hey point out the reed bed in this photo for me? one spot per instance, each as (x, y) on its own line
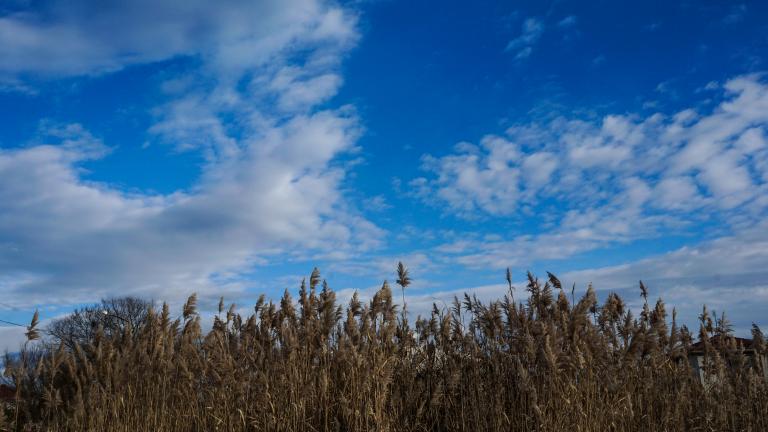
(545, 363)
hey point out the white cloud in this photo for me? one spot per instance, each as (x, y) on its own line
(736, 15)
(11, 339)
(597, 61)
(752, 141)
(377, 203)
(380, 268)
(619, 220)
(272, 182)
(488, 174)
(727, 274)
(538, 169)
(65, 240)
(589, 185)
(678, 193)
(688, 160)
(296, 93)
(727, 178)
(66, 38)
(710, 86)
(530, 33)
(524, 53)
(567, 22)
(745, 252)
(652, 27)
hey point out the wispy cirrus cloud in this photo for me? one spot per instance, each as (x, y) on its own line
(530, 33)
(736, 14)
(568, 21)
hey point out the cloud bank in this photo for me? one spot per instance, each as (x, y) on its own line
(250, 103)
(590, 184)
(92, 37)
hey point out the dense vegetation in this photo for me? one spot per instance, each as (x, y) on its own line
(547, 363)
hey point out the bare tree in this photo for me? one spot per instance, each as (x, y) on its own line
(111, 315)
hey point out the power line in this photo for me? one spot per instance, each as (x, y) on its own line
(12, 323)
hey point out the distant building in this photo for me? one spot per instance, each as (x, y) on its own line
(696, 355)
(7, 394)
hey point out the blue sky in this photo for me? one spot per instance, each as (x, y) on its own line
(162, 148)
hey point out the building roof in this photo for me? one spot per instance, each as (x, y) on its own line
(720, 342)
(7, 393)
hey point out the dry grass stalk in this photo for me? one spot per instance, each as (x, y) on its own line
(547, 364)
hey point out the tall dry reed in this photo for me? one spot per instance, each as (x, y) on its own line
(545, 364)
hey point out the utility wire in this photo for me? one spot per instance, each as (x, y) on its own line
(12, 323)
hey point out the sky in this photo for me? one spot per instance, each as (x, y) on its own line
(160, 148)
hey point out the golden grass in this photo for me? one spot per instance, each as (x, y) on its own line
(545, 365)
